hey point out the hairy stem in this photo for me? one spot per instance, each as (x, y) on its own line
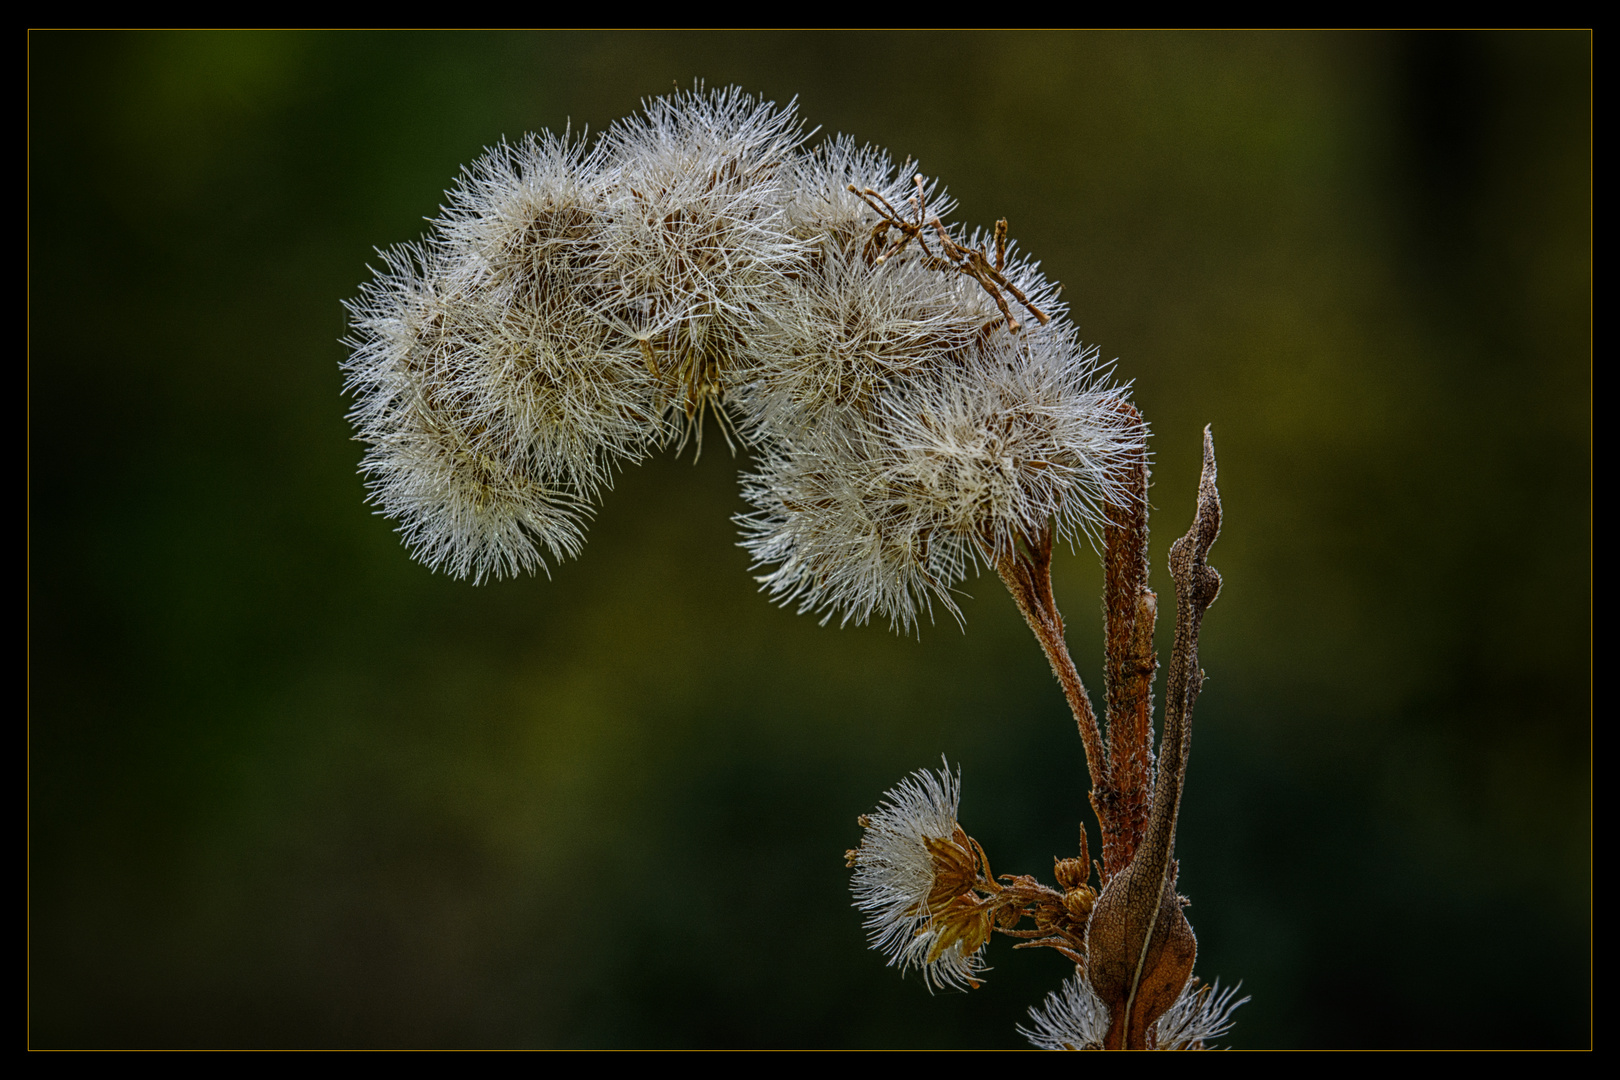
(1028, 576)
(1130, 611)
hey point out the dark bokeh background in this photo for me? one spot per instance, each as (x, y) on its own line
(288, 788)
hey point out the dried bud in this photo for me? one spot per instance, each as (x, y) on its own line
(1079, 901)
(1070, 873)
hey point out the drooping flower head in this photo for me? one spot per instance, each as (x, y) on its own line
(574, 307)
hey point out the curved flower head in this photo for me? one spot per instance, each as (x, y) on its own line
(1075, 1018)
(914, 877)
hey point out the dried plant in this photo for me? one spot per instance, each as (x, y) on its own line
(919, 404)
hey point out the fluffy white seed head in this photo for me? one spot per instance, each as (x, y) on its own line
(1200, 1015)
(844, 540)
(529, 212)
(495, 405)
(883, 510)
(853, 323)
(441, 458)
(894, 874)
(1028, 431)
(821, 204)
(523, 234)
(694, 241)
(851, 328)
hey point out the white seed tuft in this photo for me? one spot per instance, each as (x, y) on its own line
(1073, 1017)
(1200, 1015)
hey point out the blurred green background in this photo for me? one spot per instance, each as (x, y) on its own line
(288, 788)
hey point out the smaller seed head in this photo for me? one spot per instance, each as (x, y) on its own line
(914, 872)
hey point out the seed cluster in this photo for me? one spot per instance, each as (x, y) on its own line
(915, 398)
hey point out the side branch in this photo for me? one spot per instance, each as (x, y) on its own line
(1197, 585)
(1028, 576)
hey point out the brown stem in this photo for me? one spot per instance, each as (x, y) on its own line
(1130, 610)
(1028, 576)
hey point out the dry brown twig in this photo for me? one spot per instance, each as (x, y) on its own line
(973, 262)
